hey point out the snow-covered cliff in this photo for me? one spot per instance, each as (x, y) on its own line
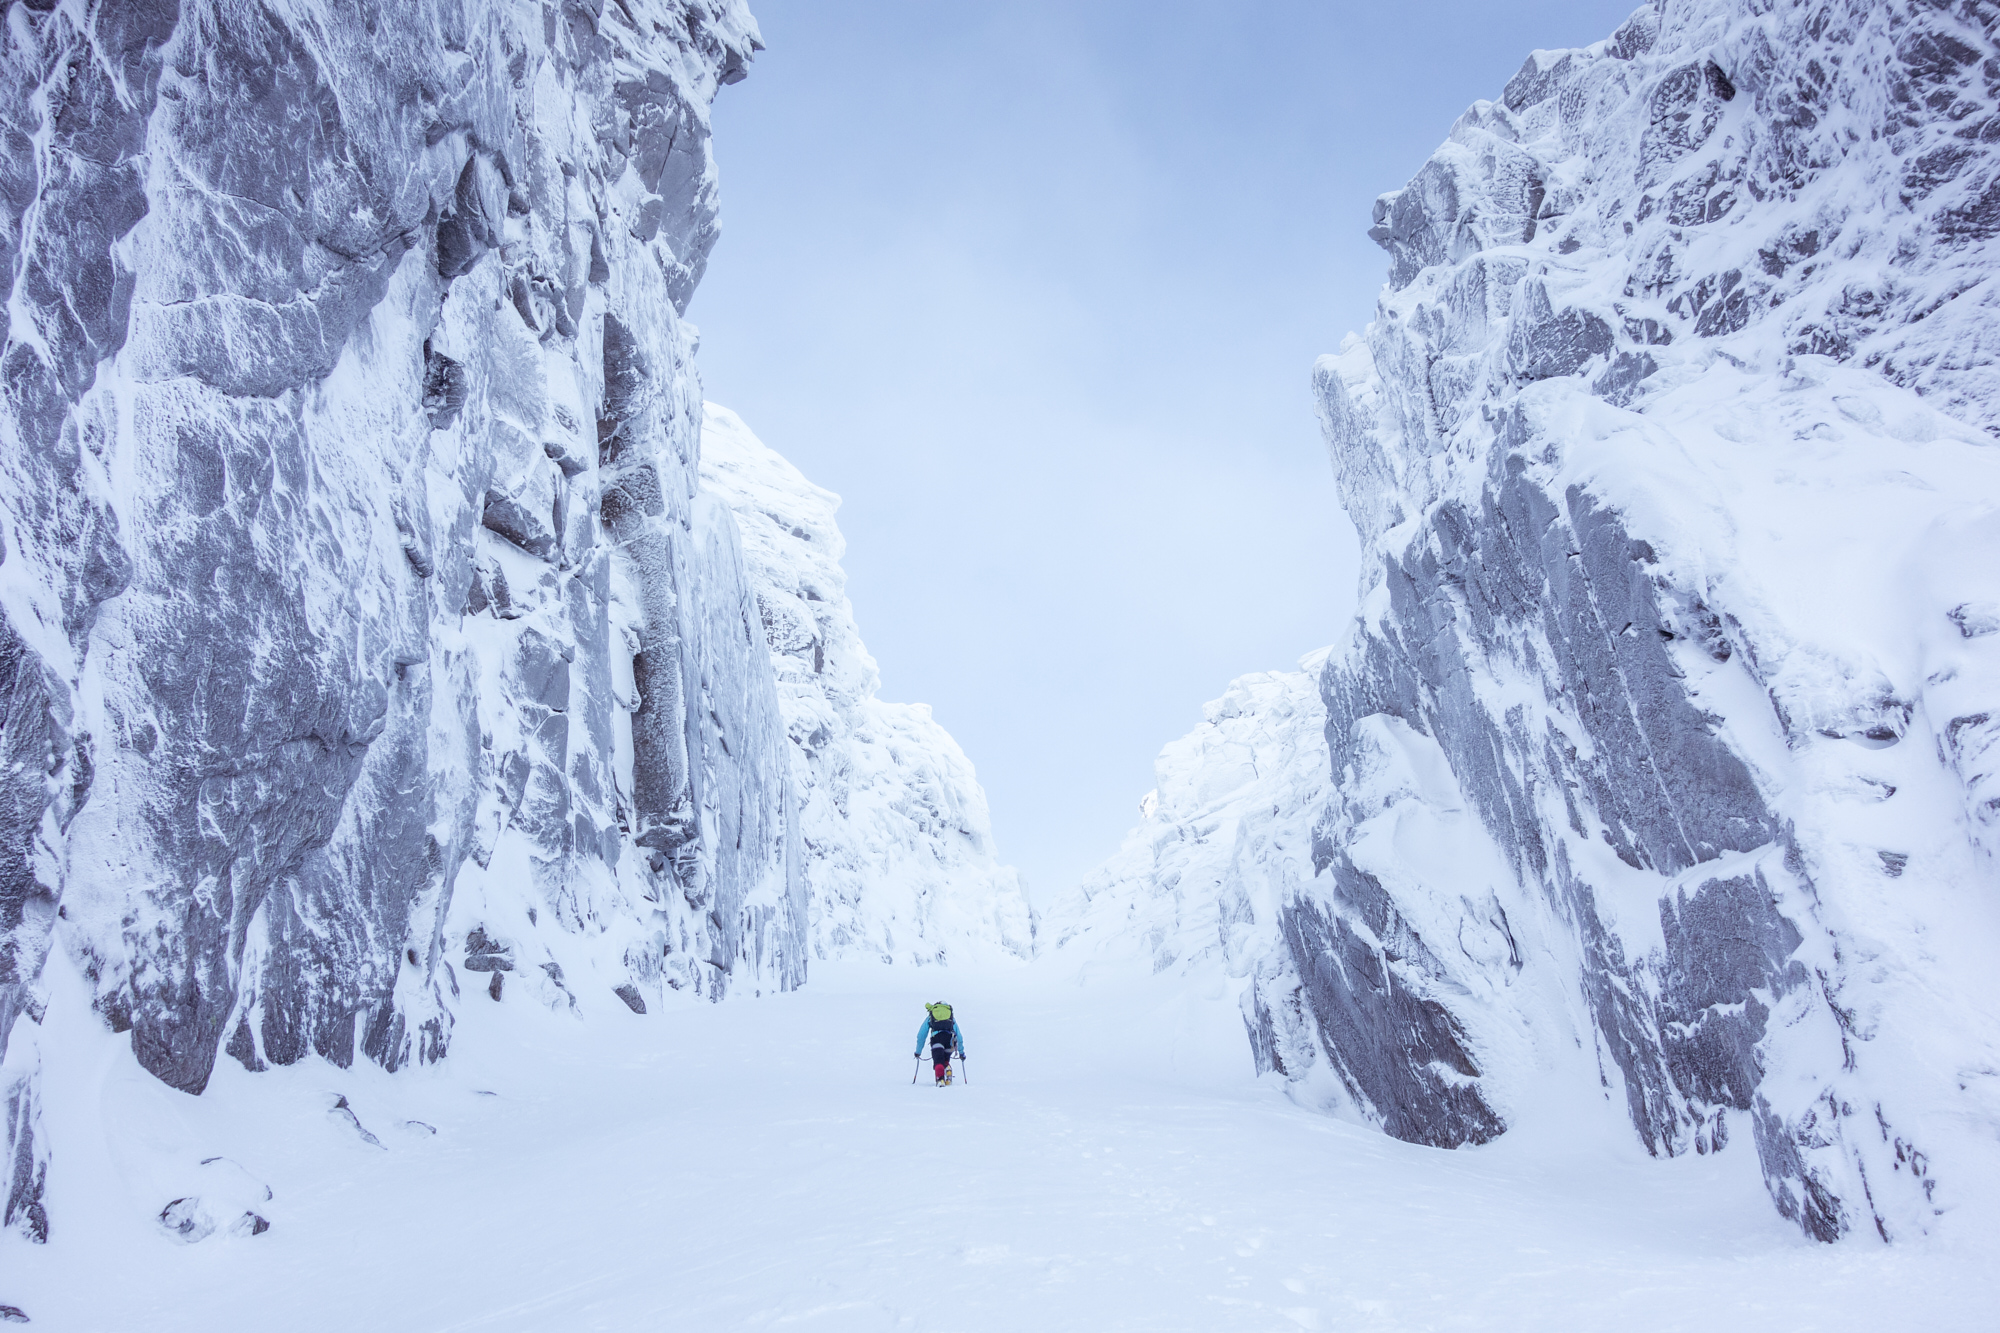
(899, 854)
(1223, 837)
(1664, 744)
(368, 649)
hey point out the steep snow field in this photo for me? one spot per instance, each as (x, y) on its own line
(767, 1164)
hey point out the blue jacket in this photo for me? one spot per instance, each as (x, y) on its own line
(924, 1035)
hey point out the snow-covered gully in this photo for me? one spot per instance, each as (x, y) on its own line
(448, 823)
(767, 1164)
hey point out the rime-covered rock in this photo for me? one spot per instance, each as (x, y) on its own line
(364, 627)
(1663, 743)
(898, 848)
(1224, 836)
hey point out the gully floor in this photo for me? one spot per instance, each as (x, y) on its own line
(767, 1164)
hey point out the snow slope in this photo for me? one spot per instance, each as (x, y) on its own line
(898, 847)
(1661, 746)
(769, 1165)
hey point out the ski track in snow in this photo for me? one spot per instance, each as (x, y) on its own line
(767, 1164)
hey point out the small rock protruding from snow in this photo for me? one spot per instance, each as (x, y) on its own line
(227, 1203)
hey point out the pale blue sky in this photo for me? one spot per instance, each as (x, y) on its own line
(1037, 288)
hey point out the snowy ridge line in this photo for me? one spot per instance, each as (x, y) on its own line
(1658, 765)
(1225, 831)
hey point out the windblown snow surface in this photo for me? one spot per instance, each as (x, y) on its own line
(1657, 774)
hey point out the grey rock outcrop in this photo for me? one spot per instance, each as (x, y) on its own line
(358, 596)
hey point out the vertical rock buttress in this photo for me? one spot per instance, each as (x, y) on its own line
(357, 605)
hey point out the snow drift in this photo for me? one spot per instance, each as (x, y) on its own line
(1662, 750)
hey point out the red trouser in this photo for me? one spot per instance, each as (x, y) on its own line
(940, 1060)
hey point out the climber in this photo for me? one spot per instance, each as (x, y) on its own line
(944, 1034)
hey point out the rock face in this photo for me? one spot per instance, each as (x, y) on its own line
(898, 848)
(1664, 741)
(364, 627)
